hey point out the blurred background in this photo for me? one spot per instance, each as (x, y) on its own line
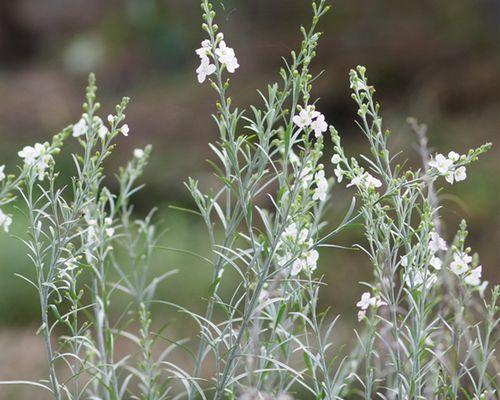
(437, 61)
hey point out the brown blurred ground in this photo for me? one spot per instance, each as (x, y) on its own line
(438, 61)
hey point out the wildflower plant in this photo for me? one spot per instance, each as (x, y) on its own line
(427, 325)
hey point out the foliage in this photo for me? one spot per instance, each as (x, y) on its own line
(428, 328)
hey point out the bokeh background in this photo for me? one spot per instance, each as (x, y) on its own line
(437, 61)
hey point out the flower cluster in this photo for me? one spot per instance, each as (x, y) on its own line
(297, 241)
(447, 167)
(93, 234)
(308, 117)
(415, 278)
(225, 56)
(321, 190)
(365, 181)
(462, 267)
(339, 172)
(367, 301)
(37, 157)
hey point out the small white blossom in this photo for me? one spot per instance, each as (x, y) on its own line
(2, 173)
(339, 173)
(436, 263)
(36, 157)
(460, 263)
(358, 85)
(5, 221)
(312, 112)
(453, 156)
(366, 181)
(205, 48)
(111, 118)
(368, 301)
(437, 243)
(30, 154)
(138, 153)
(291, 234)
(336, 159)
(319, 125)
(458, 175)
(306, 176)
(404, 261)
(307, 262)
(205, 69)
(125, 130)
(321, 186)
(442, 164)
(303, 119)
(474, 278)
(110, 231)
(80, 128)
(417, 279)
(227, 57)
(102, 132)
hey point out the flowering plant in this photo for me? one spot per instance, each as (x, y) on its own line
(427, 326)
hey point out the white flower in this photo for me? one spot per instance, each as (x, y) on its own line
(307, 262)
(460, 263)
(30, 154)
(111, 118)
(312, 112)
(437, 243)
(42, 165)
(227, 57)
(339, 173)
(365, 301)
(474, 278)
(125, 130)
(205, 69)
(110, 231)
(102, 132)
(311, 257)
(204, 49)
(416, 278)
(36, 157)
(321, 186)
(365, 180)
(460, 174)
(404, 261)
(319, 125)
(453, 156)
(361, 315)
(358, 84)
(303, 119)
(232, 65)
(336, 159)
(291, 234)
(441, 164)
(436, 263)
(80, 128)
(5, 221)
(138, 153)
(2, 173)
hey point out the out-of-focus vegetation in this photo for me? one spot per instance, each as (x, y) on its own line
(438, 61)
